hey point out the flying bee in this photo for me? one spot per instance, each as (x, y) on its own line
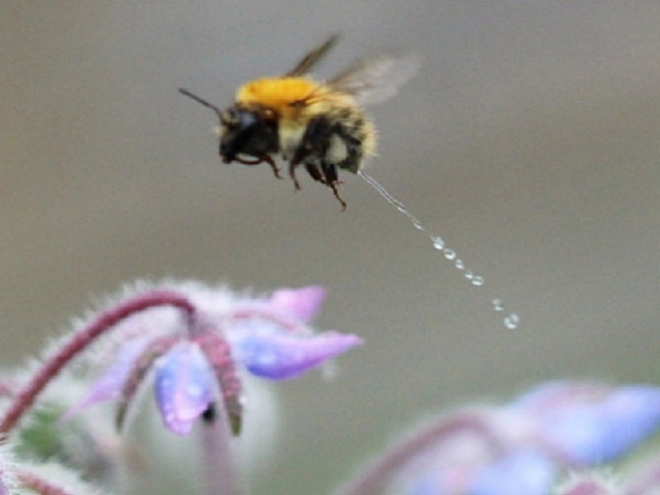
(320, 126)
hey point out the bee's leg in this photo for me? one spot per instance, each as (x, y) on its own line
(271, 162)
(315, 173)
(329, 173)
(259, 160)
(245, 161)
(292, 173)
(339, 198)
(312, 146)
(331, 180)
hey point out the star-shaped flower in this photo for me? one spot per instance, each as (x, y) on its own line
(193, 360)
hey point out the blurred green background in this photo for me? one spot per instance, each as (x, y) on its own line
(529, 141)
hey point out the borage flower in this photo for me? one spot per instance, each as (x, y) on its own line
(519, 448)
(193, 359)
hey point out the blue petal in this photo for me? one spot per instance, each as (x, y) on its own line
(269, 352)
(605, 430)
(426, 485)
(524, 472)
(184, 386)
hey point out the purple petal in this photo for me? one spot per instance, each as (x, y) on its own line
(110, 385)
(184, 386)
(301, 303)
(269, 352)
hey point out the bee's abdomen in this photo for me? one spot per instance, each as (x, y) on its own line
(338, 139)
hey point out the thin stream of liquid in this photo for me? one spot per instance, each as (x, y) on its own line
(512, 320)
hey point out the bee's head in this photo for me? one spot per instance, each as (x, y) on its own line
(247, 131)
(250, 131)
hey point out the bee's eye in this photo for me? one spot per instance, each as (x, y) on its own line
(238, 119)
(246, 120)
(248, 132)
(243, 120)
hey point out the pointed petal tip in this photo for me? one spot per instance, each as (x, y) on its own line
(280, 356)
(303, 303)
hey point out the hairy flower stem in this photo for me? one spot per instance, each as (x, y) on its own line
(379, 472)
(40, 485)
(26, 396)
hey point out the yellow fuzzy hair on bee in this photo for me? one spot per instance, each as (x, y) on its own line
(320, 127)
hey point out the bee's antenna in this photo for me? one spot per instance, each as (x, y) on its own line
(217, 111)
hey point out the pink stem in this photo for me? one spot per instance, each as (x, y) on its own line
(26, 397)
(380, 471)
(40, 485)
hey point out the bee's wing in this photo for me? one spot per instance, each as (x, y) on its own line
(375, 80)
(306, 64)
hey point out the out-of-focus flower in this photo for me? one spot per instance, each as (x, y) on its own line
(587, 424)
(522, 447)
(193, 359)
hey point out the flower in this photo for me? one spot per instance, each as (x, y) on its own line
(523, 446)
(184, 386)
(587, 423)
(193, 359)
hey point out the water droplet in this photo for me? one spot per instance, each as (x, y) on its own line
(512, 321)
(438, 243)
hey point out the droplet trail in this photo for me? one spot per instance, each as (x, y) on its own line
(438, 243)
(512, 320)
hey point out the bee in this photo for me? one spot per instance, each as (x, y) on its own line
(320, 126)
